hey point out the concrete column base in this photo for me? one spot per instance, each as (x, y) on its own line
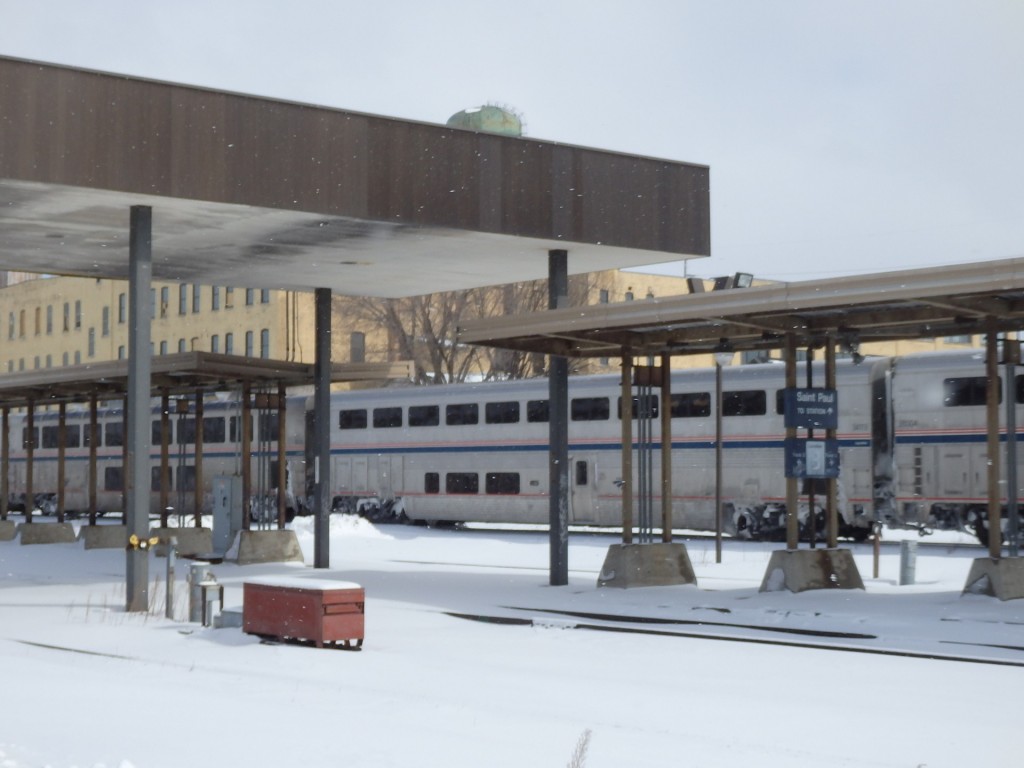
(1002, 578)
(268, 547)
(191, 541)
(646, 565)
(46, 533)
(8, 530)
(798, 570)
(104, 536)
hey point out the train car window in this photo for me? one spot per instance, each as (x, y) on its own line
(235, 428)
(744, 402)
(780, 402)
(461, 413)
(72, 436)
(967, 390)
(1019, 384)
(462, 482)
(112, 479)
(387, 418)
(213, 429)
(590, 409)
(268, 426)
(157, 436)
(424, 415)
(154, 478)
(691, 405)
(113, 434)
(582, 473)
(537, 411)
(352, 419)
(650, 410)
(431, 482)
(186, 479)
(25, 437)
(186, 431)
(502, 413)
(87, 435)
(502, 483)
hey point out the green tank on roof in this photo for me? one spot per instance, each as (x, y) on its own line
(488, 119)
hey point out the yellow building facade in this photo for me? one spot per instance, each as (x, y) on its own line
(48, 322)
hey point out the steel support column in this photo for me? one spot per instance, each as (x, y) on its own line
(62, 440)
(94, 439)
(5, 462)
(558, 429)
(831, 502)
(30, 449)
(992, 413)
(246, 437)
(140, 270)
(666, 448)
(282, 458)
(197, 496)
(322, 430)
(792, 499)
(165, 455)
(627, 447)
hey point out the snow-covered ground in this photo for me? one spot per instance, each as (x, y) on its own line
(84, 684)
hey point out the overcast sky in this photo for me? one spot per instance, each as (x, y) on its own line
(843, 136)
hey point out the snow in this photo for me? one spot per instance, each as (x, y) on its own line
(86, 684)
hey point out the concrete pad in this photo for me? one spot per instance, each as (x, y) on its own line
(46, 533)
(646, 565)
(104, 536)
(191, 541)
(1002, 578)
(268, 547)
(8, 530)
(802, 569)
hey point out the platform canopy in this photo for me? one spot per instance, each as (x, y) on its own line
(260, 193)
(921, 303)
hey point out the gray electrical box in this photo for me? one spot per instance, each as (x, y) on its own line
(227, 511)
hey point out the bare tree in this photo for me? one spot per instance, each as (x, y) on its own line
(424, 329)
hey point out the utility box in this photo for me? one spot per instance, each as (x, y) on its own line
(320, 611)
(227, 511)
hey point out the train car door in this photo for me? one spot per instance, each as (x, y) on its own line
(389, 481)
(583, 475)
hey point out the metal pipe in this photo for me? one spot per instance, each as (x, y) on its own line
(62, 439)
(197, 495)
(718, 461)
(282, 458)
(792, 519)
(666, 448)
(558, 430)
(831, 502)
(322, 428)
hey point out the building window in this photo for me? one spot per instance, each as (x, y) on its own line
(35, 362)
(181, 345)
(215, 343)
(182, 299)
(122, 309)
(196, 297)
(78, 315)
(106, 321)
(215, 298)
(152, 303)
(165, 298)
(229, 343)
(120, 353)
(603, 296)
(78, 356)
(67, 317)
(39, 320)
(250, 296)
(21, 324)
(49, 361)
(11, 326)
(265, 343)
(49, 319)
(265, 296)
(248, 343)
(229, 298)
(64, 359)
(92, 342)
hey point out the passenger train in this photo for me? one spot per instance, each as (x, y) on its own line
(911, 435)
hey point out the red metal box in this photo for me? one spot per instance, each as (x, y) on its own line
(318, 610)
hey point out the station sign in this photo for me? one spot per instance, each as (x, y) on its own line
(812, 458)
(810, 407)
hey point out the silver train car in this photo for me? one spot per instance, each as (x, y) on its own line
(912, 443)
(221, 455)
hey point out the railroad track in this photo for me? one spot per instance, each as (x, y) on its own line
(715, 631)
